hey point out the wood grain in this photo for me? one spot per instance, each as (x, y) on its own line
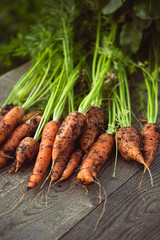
(129, 214)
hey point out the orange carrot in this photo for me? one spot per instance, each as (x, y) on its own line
(5, 110)
(96, 158)
(61, 162)
(150, 142)
(45, 153)
(10, 122)
(72, 164)
(129, 145)
(30, 115)
(26, 151)
(8, 150)
(95, 125)
(73, 125)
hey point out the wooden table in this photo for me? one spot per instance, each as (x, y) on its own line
(71, 213)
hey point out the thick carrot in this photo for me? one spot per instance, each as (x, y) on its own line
(9, 148)
(5, 110)
(129, 144)
(30, 115)
(96, 158)
(73, 125)
(45, 153)
(61, 162)
(72, 164)
(10, 122)
(26, 151)
(95, 125)
(150, 142)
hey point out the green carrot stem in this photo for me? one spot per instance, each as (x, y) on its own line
(30, 99)
(69, 85)
(94, 64)
(23, 80)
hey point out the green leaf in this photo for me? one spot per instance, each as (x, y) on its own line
(130, 37)
(141, 24)
(147, 9)
(112, 6)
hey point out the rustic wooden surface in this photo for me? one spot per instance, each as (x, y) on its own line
(70, 213)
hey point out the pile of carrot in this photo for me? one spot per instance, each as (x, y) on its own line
(31, 125)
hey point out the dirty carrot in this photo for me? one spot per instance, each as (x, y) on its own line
(129, 144)
(127, 137)
(31, 115)
(61, 162)
(72, 164)
(150, 142)
(73, 125)
(45, 153)
(5, 110)
(9, 122)
(26, 151)
(151, 131)
(8, 149)
(96, 158)
(24, 130)
(95, 125)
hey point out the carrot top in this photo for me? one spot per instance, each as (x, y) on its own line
(151, 76)
(101, 64)
(65, 77)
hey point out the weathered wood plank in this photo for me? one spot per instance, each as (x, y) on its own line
(8, 80)
(68, 203)
(129, 214)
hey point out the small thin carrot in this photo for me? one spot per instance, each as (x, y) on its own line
(73, 125)
(5, 110)
(95, 125)
(26, 151)
(72, 164)
(150, 142)
(45, 153)
(96, 158)
(30, 115)
(61, 162)
(9, 122)
(8, 150)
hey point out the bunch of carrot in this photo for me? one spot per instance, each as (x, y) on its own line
(81, 138)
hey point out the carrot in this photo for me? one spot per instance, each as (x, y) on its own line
(9, 148)
(95, 124)
(26, 151)
(30, 115)
(129, 145)
(73, 125)
(45, 153)
(10, 122)
(5, 110)
(96, 158)
(150, 142)
(72, 164)
(61, 162)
